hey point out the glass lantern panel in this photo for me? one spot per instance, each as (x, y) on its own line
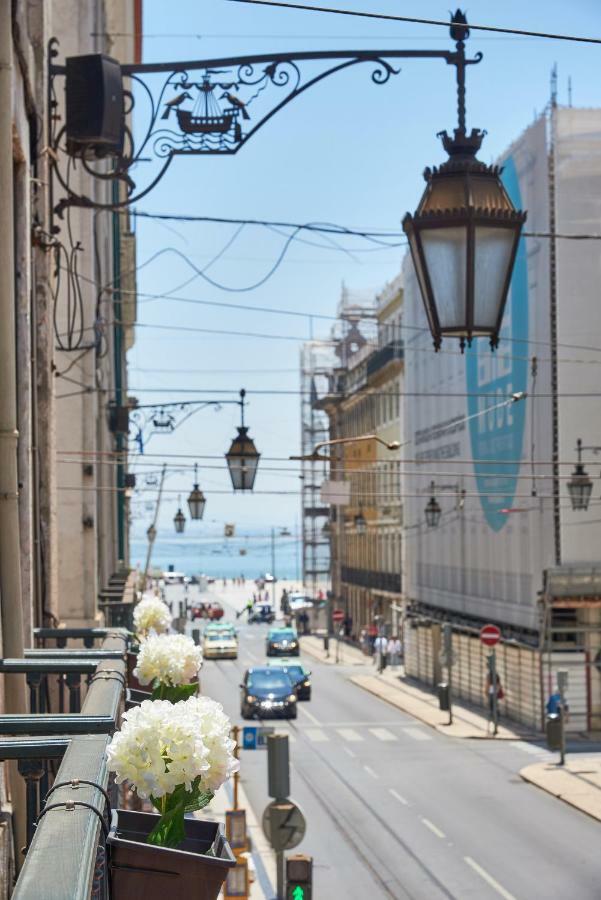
(494, 246)
(446, 258)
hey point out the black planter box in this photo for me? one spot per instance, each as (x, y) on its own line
(141, 871)
(135, 698)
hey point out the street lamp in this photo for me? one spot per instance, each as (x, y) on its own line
(196, 498)
(464, 234)
(580, 486)
(433, 511)
(242, 457)
(179, 519)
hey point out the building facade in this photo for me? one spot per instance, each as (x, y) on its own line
(363, 399)
(500, 467)
(67, 306)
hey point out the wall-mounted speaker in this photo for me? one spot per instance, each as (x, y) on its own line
(95, 109)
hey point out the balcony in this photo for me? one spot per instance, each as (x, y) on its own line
(369, 578)
(386, 354)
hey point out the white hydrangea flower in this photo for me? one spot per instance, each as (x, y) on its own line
(151, 614)
(173, 659)
(162, 745)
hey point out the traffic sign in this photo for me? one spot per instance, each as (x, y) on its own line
(338, 615)
(490, 635)
(284, 824)
(254, 737)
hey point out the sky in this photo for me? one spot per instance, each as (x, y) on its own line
(347, 151)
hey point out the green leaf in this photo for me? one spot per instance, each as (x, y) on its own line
(174, 693)
(169, 830)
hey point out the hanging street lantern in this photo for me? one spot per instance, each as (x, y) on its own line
(464, 234)
(242, 458)
(580, 485)
(179, 519)
(196, 498)
(360, 523)
(432, 511)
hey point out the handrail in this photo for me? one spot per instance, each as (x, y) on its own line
(78, 633)
(66, 653)
(61, 860)
(49, 666)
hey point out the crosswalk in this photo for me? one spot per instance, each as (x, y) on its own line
(356, 736)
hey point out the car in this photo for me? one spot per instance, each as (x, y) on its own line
(262, 612)
(215, 610)
(299, 675)
(282, 642)
(298, 602)
(220, 642)
(267, 693)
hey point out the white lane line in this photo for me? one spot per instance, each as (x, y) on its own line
(309, 715)
(417, 734)
(350, 752)
(488, 878)
(252, 656)
(316, 735)
(383, 734)
(433, 828)
(398, 797)
(371, 772)
(349, 734)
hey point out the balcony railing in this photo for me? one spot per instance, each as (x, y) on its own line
(380, 358)
(62, 758)
(370, 578)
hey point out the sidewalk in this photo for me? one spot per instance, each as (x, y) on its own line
(262, 858)
(577, 783)
(312, 645)
(423, 705)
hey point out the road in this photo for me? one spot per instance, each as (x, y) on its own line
(397, 810)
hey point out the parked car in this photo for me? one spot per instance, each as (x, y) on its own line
(299, 675)
(298, 601)
(220, 642)
(282, 642)
(267, 693)
(215, 610)
(262, 612)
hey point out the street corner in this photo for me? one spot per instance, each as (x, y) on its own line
(577, 783)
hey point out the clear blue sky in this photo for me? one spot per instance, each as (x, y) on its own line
(348, 152)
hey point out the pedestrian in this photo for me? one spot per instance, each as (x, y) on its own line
(380, 647)
(393, 651)
(490, 692)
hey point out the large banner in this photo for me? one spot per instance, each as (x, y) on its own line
(486, 462)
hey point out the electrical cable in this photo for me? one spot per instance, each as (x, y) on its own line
(495, 29)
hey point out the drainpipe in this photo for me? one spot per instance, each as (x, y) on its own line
(11, 600)
(120, 441)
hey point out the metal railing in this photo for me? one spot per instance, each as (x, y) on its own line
(62, 758)
(370, 578)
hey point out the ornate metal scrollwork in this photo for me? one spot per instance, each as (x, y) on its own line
(205, 107)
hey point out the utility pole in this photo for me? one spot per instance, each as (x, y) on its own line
(273, 568)
(152, 531)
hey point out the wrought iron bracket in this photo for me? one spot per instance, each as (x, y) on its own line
(211, 107)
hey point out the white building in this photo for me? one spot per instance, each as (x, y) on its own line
(500, 468)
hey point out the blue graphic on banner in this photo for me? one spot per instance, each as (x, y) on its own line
(497, 436)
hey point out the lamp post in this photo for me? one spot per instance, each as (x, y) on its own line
(242, 458)
(464, 234)
(196, 498)
(580, 485)
(152, 529)
(360, 522)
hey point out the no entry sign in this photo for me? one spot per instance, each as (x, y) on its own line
(338, 615)
(490, 635)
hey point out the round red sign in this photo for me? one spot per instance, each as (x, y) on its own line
(338, 615)
(490, 635)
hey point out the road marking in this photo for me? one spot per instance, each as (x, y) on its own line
(252, 656)
(349, 734)
(383, 734)
(316, 735)
(371, 772)
(350, 752)
(309, 715)
(417, 734)
(488, 878)
(398, 797)
(433, 828)
(531, 748)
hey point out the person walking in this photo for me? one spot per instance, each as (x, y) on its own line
(380, 646)
(393, 651)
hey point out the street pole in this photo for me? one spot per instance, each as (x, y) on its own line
(493, 680)
(235, 737)
(447, 633)
(562, 683)
(152, 529)
(273, 568)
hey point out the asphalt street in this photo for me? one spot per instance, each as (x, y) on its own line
(397, 810)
